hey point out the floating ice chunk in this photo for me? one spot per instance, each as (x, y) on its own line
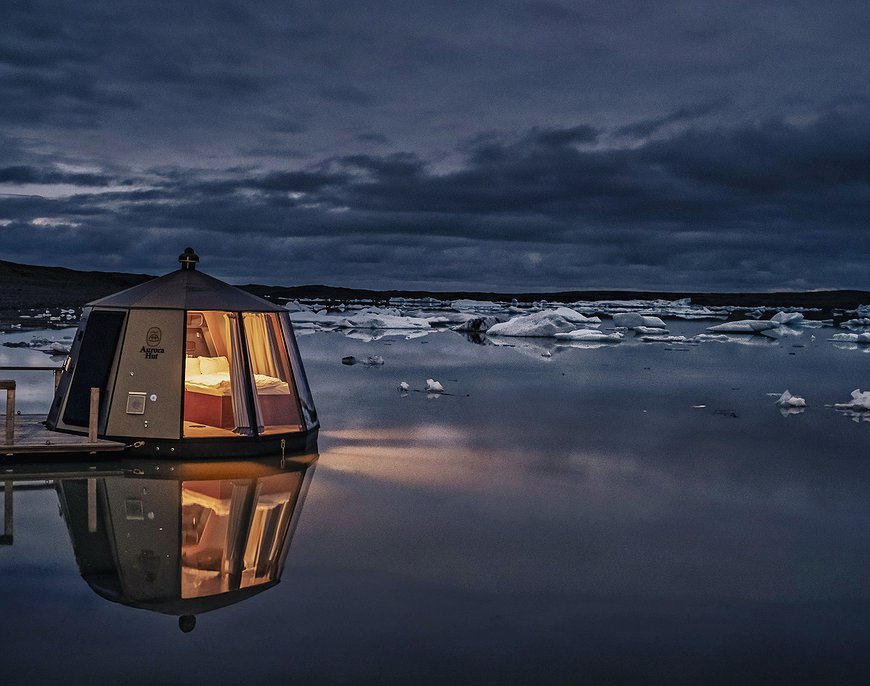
(851, 337)
(589, 335)
(477, 324)
(631, 320)
(433, 386)
(372, 320)
(544, 324)
(858, 323)
(650, 330)
(574, 315)
(546, 353)
(404, 386)
(860, 402)
(788, 318)
(744, 326)
(664, 339)
(371, 360)
(789, 400)
(296, 306)
(59, 348)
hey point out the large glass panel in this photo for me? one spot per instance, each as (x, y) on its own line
(234, 533)
(215, 401)
(302, 388)
(95, 359)
(277, 408)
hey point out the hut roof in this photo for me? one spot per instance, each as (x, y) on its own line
(187, 289)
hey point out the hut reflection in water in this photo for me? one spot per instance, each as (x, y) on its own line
(185, 538)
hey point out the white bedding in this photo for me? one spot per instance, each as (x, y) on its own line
(218, 383)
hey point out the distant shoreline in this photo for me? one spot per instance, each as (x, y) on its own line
(29, 286)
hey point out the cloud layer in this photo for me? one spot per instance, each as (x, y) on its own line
(520, 146)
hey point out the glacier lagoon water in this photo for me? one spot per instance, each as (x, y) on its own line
(631, 513)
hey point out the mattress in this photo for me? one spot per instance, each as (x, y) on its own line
(218, 383)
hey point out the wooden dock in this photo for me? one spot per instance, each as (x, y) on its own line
(26, 434)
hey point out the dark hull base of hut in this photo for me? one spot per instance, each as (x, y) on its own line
(218, 448)
(198, 448)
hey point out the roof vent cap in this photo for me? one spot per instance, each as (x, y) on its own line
(188, 259)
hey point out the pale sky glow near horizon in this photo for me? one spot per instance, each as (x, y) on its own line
(509, 146)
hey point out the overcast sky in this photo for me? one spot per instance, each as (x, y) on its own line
(513, 145)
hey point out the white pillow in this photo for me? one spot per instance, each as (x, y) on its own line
(191, 366)
(214, 365)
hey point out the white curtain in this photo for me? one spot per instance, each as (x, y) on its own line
(237, 375)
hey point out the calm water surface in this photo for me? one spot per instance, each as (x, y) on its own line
(563, 519)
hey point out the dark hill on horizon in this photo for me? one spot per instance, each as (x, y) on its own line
(25, 286)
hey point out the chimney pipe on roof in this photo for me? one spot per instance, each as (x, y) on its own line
(188, 259)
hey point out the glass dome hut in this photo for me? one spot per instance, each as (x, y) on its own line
(187, 365)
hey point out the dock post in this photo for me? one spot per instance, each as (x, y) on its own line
(94, 415)
(92, 506)
(10, 410)
(6, 538)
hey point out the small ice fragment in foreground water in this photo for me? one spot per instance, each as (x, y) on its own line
(698, 407)
(404, 387)
(546, 353)
(860, 401)
(789, 400)
(433, 386)
(371, 360)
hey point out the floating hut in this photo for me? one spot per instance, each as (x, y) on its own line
(187, 365)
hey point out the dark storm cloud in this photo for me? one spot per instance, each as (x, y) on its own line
(699, 204)
(533, 144)
(643, 129)
(25, 174)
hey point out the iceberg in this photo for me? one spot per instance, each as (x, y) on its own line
(631, 320)
(589, 335)
(433, 386)
(476, 324)
(373, 320)
(544, 324)
(789, 400)
(851, 337)
(860, 402)
(788, 318)
(743, 326)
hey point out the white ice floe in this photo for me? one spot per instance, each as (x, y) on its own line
(789, 400)
(664, 338)
(589, 335)
(851, 337)
(546, 323)
(650, 331)
(744, 326)
(296, 306)
(732, 338)
(860, 402)
(788, 318)
(404, 386)
(370, 361)
(477, 324)
(631, 320)
(374, 320)
(433, 386)
(857, 323)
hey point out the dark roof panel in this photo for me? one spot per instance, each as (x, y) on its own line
(187, 289)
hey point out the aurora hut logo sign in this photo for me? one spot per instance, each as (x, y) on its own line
(152, 340)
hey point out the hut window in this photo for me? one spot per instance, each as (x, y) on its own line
(275, 403)
(302, 388)
(214, 377)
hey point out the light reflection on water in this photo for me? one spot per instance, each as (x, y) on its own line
(553, 519)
